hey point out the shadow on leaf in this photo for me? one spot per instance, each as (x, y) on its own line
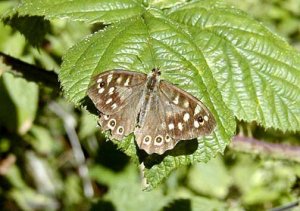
(103, 205)
(109, 156)
(186, 147)
(178, 205)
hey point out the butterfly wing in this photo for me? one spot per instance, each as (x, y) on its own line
(116, 94)
(110, 90)
(186, 116)
(152, 135)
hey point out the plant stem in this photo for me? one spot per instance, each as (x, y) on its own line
(31, 72)
(254, 146)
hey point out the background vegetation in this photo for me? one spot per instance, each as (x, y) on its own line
(43, 166)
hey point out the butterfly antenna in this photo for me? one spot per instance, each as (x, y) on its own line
(142, 63)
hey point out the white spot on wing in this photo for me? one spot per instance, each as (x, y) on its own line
(196, 124)
(127, 82)
(171, 126)
(101, 90)
(111, 90)
(206, 118)
(180, 127)
(186, 104)
(106, 117)
(186, 117)
(99, 80)
(176, 99)
(119, 80)
(108, 101)
(109, 78)
(197, 110)
(113, 106)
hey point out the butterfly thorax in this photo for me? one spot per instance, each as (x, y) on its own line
(148, 96)
(153, 79)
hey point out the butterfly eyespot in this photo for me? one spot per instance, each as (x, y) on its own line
(200, 119)
(158, 140)
(112, 123)
(120, 130)
(106, 117)
(168, 139)
(147, 140)
(102, 84)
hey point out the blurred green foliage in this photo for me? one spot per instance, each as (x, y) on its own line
(38, 170)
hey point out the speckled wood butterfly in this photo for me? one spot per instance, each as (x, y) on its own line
(156, 111)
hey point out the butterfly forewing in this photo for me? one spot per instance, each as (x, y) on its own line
(111, 90)
(186, 116)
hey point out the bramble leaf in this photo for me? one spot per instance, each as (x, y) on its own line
(139, 44)
(90, 11)
(257, 72)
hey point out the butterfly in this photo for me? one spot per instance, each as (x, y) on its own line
(156, 111)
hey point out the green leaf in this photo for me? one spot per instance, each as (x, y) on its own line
(90, 11)
(10, 43)
(127, 181)
(140, 44)
(257, 72)
(41, 140)
(19, 100)
(162, 4)
(34, 28)
(210, 178)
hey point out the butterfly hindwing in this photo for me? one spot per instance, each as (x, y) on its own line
(123, 122)
(186, 116)
(152, 135)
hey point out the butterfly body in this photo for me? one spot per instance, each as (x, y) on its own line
(149, 92)
(157, 112)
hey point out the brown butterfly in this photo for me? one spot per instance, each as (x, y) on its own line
(156, 111)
